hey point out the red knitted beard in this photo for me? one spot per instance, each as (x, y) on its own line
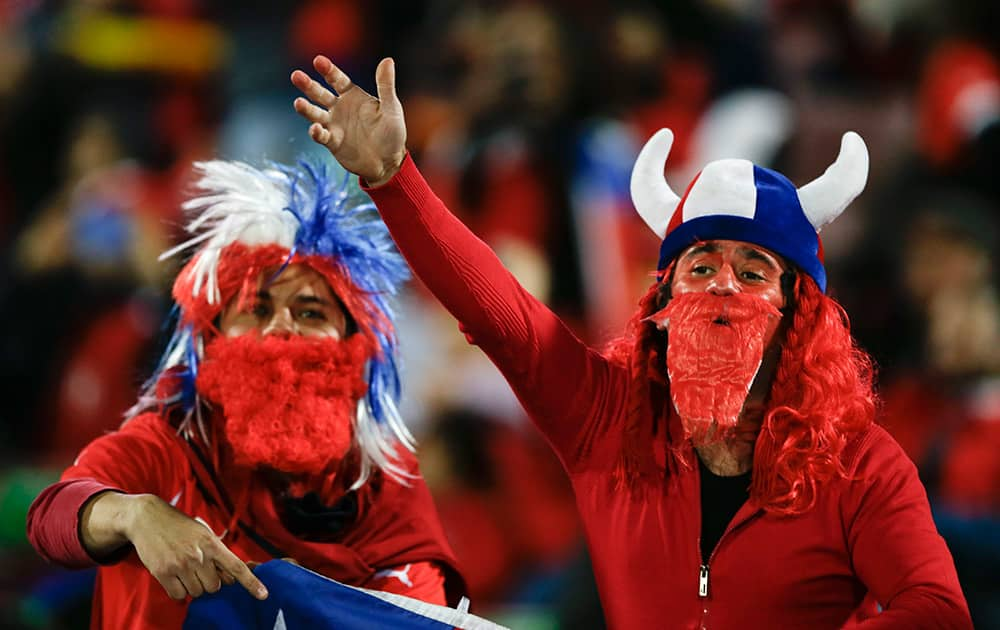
(289, 402)
(714, 348)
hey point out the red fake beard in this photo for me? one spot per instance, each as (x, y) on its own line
(289, 402)
(715, 345)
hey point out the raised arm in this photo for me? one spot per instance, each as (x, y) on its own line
(564, 385)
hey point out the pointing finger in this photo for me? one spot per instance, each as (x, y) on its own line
(239, 570)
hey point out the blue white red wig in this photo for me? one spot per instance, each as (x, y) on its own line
(248, 220)
(738, 200)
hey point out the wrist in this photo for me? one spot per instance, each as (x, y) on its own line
(388, 172)
(104, 521)
(130, 512)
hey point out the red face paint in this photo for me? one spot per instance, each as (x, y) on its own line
(715, 345)
(288, 402)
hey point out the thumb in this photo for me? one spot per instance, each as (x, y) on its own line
(385, 83)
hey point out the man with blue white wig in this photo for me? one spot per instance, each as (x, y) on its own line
(270, 427)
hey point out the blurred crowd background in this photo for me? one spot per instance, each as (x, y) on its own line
(526, 118)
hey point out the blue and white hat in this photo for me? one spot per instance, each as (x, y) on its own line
(738, 200)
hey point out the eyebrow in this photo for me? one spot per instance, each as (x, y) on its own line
(300, 299)
(311, 299)
(704, 248)
(753, 254)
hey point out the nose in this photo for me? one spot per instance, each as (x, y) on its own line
(723, 282)
(281, 323)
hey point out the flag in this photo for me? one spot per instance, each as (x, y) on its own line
(300, 599)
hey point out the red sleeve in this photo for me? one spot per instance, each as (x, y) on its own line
(135, 459)
(895, 547)
(54, 521)
(544, 362)
(419, 580)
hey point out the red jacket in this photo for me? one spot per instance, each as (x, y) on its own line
(396, 525)
(869, 538)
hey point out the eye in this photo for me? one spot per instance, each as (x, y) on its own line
(701, 270)
(752, 276)
(314, 314)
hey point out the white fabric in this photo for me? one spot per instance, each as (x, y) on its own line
(725, 187)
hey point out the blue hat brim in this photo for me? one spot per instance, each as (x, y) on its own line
(804, 252)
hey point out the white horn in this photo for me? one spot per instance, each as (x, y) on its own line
(653, 199)
(824, 198)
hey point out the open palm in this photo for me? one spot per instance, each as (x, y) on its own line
(367, 135)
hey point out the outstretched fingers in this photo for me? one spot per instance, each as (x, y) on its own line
(334, 76)
(326, 137)
(385, 82)
(313, 90)
(310, 112)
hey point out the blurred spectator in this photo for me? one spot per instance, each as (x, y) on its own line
(83, 256)
(498, 162)
(958, 114)
(945, 410)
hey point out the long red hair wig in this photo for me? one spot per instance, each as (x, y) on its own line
(822, 393)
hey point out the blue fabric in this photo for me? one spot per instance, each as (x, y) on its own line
(301, 600)
(779, 224)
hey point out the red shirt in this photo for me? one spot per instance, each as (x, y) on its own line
(396, 526)
(870, 537)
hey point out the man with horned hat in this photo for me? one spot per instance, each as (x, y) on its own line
(269, 428)
(723, 452)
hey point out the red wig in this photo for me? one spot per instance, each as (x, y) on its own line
(822, 393)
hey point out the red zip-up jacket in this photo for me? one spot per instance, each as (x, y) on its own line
(396, 525)
(870, 537)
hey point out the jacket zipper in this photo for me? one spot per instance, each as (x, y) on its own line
(704, 568)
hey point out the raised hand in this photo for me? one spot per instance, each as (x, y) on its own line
(367, 135)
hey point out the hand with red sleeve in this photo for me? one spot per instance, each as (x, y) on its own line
(367, 135)
(184, 556)
(112, 496)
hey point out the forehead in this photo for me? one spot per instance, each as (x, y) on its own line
(724, 247)
(294, 279)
